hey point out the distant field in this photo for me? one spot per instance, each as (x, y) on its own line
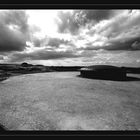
(64, 101)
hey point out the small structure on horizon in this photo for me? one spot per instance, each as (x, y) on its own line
(104, 72)
(24, 64)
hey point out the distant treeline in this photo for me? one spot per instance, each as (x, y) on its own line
(30, 68)
(7, 70)
(65, 68)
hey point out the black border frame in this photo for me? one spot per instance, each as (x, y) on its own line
(75, 5)
(69, 6)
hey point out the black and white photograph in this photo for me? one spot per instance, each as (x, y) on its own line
(69, 69)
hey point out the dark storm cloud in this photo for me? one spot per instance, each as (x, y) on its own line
(68, 24)
(39, 42)
(18, 18)
(13, 30)
(49, 41)
(71, 22)
(11, 41)
(96, 15)
(42, 55)
(55, 42)
(121, 32)
(136, 45)
(1, 57)
(130, 44)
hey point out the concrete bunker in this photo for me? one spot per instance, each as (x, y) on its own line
(104, 72)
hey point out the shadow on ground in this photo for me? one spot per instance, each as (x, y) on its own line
(128, 78)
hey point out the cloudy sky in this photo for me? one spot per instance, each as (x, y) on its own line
(70, 37)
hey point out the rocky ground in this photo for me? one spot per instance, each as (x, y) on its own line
(65, 101)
